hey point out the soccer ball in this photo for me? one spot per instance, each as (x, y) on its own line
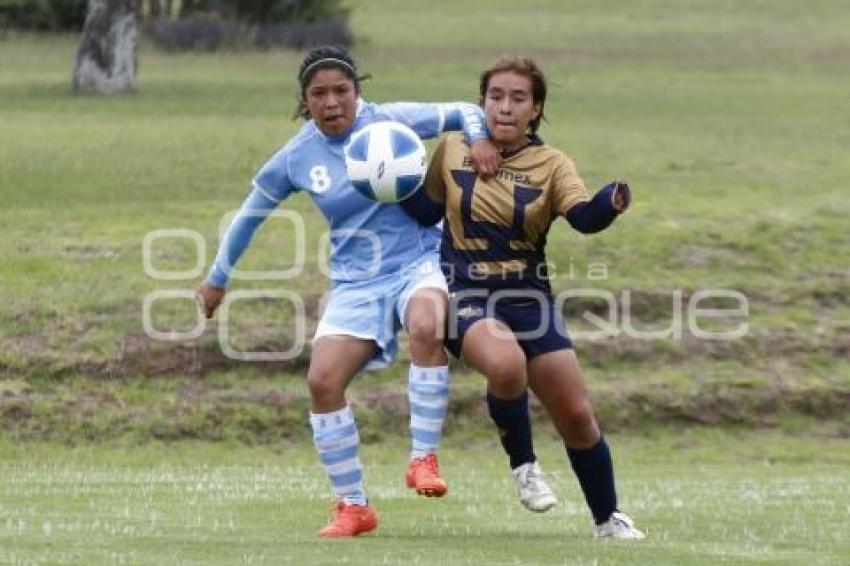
(386, 161)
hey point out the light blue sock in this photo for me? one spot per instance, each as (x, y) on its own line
(338, 443)
(428, 392)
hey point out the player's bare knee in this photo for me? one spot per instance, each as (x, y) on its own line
(426, 330)
(578, 419)
(322, 384)
(580, 415)
(427, 317)
(506, 376)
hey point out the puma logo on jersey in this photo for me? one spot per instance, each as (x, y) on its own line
(469, 312)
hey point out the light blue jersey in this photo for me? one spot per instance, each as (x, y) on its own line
(368, 239)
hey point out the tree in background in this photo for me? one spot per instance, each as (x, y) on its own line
(257, 12)
(106, 56)
(43, 15)
(207, 25)
(201, 25)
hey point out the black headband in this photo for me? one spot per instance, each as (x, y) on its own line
(326, 60)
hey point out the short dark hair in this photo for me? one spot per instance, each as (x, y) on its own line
(526, 67)
(324, 57)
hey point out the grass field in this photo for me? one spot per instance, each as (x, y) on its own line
(703, 496)
(730, 120)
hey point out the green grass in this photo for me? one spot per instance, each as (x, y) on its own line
(708, 496)
(242, 405)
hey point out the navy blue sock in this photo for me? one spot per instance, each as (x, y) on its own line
(511, 416)
(595, 472)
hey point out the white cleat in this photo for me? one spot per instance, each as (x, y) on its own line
(620, 526)
(533, 490)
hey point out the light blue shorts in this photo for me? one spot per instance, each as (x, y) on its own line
(374, 309)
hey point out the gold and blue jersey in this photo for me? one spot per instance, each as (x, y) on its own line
(494, 231)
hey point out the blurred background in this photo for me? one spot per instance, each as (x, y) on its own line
(730, 120)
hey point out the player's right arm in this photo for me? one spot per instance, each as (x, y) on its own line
(271, 186)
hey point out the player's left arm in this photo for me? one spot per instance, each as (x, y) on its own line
(430, 120)
(600, 212)
(572, 200)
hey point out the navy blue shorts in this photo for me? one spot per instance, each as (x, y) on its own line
(537, 325)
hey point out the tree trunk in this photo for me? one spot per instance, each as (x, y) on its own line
(106, 57)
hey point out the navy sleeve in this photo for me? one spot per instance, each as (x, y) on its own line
(599, 213)
(421, 208)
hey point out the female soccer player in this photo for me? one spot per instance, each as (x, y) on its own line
(385, 271)
(503, 319)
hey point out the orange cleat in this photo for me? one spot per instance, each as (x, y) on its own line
(423, 475)
(349, 521)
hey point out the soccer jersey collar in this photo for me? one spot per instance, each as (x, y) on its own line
(533, 139)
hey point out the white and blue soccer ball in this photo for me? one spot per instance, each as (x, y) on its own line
(386, 161)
